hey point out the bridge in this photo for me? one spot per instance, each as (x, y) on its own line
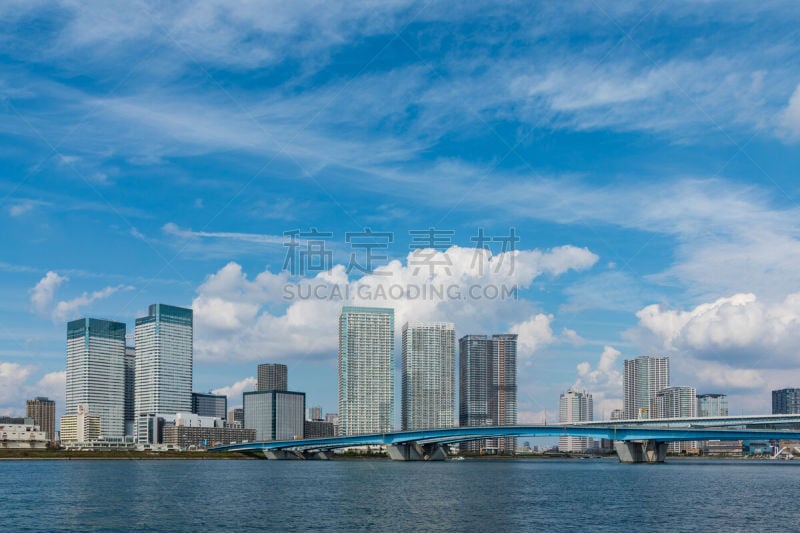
(635, 441)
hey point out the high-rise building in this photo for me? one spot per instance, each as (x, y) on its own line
(677, 402)
(275, 415)
(215, 405)
(314, 413)
(130, 390)
(575, 406)
(236, 417)
(366, 370)
(503, 398)
(474, 372)
(712, 405)
(43, 412)
(643, 377)
(488, 386)
(163, 361)
(272, 376)
(428, 381)
(786, 402)
(96, 372)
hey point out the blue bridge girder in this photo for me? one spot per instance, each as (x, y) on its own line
(614, 431)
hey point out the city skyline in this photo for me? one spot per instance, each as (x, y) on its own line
(644, 157)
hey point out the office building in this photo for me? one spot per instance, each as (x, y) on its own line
(96, 372)
(366, 370)
(677, 402)
(642, 378)
(314, 413)
(428, 379)
(210, 405)
(272, 376)
(235, 418)
(130, 390)
(617, 414)
(275, 415)
(488, 387)
(81, 426)
(163, 361)
(575, 406)
(21, 434)
(43, 412)
(712, 405)
(786, 402)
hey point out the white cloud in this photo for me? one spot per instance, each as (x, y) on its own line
(740, 329)
(43, 296)
(234, 392)
(43, 293)
(12, 379)
(604, 382)
(68, 309)
(571, 336)
(789, 118)
(171, 228)
(239, 318)
(534, 334)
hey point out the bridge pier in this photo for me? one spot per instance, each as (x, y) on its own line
(641, 451)
(413, 451)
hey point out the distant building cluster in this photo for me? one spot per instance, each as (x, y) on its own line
(142, 395)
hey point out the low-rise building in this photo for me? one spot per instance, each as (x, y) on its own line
(184, 437)
(317, 429)
(723, 447)
(82, 426)
(26, 435)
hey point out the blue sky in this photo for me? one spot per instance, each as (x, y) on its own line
(646, 154)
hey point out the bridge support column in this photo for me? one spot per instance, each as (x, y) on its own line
(416, 452)
(321, 455)
(282, 455)
(641, 451)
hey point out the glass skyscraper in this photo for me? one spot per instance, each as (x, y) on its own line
(96, 372)
(428, 379)
(712, 405)
(366, 370)
(643, 378)
(164, 361)
(275, 415)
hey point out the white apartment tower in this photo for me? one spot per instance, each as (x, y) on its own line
(643, 378)
(575, 406)
(366, 370)
(163, 383)
(677, 402)
(428, 381)
(96, 372)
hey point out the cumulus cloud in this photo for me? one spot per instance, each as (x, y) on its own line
(234, 392)
(738, 329)
(534, 334)
(604, 382)
(43, 297)
(43, 293)
(12, 379)
(238, 317)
